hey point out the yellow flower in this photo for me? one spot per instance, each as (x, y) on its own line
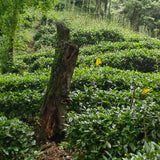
(125, 154)
(98, 61)
(146, 91)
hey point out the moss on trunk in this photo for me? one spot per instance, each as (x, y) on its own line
(57, 95)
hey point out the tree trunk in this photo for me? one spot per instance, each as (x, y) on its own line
(98, 4)
(57, 96)
(109, 9)
(105, 8)
(8, 61)
(89, 2)
(73, 5)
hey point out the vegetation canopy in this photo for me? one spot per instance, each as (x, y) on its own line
(108, 108)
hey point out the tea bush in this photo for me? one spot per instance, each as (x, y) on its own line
(92, 97)
(13, 82)
(45, 36)
(150, 150)
(110, 78)
(117, 46)
(93, 36)
(40, 64)
(19, 104)
(30, 58)
(108, 134)
(16, 140)
(142, 60)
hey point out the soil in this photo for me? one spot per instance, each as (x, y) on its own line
(50, 149)
(52, 152)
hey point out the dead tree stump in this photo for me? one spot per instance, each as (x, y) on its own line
(57, 95)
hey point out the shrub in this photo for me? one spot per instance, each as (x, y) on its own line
(110, 78)
(46, 35)
(93, 97)
(30, 58)
(20, 104)
(84, 37)
(13, 82)
(16, 140)
(151, 151)
(42, 30)
(142, 60)
(40, 64)
(100, 133)
(118, 46)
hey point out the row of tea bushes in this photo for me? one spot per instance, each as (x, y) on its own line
(110, 78)
(117, 46)
(143, 60)
(93, 36)
(114, 133)
(13, 82)
(92, 97)
(31, 62)
(30, 58)
(21, 104)
(46, 36)
(41, 64)
(17, 140)
(106, 93)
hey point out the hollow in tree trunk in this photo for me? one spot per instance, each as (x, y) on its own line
(57, 95)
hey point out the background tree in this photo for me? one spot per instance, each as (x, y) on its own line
(9, 16)
(144, 12)
(105, 7)
(98, 6)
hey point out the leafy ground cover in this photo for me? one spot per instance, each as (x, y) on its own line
(101, 122)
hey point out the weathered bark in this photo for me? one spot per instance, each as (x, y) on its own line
(57, 96)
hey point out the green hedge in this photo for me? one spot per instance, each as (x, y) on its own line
(92, 97)
(45, 35)
(110, 78)
(21, 104)
(117, 46)
(13, 82)
(30, 58)
(40, 64)
(93, 36)
(111, 134)
(22, 96)
(16, 140)
(143, 60)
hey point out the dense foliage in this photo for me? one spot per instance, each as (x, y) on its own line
(101, 122)
(144, 12)
(16, 140)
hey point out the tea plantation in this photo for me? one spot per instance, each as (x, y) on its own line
(102, 123)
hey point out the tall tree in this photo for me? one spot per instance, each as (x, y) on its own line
(98, 5)
(143, 13)
(109, 9)
(9, 16)
(105, 7)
